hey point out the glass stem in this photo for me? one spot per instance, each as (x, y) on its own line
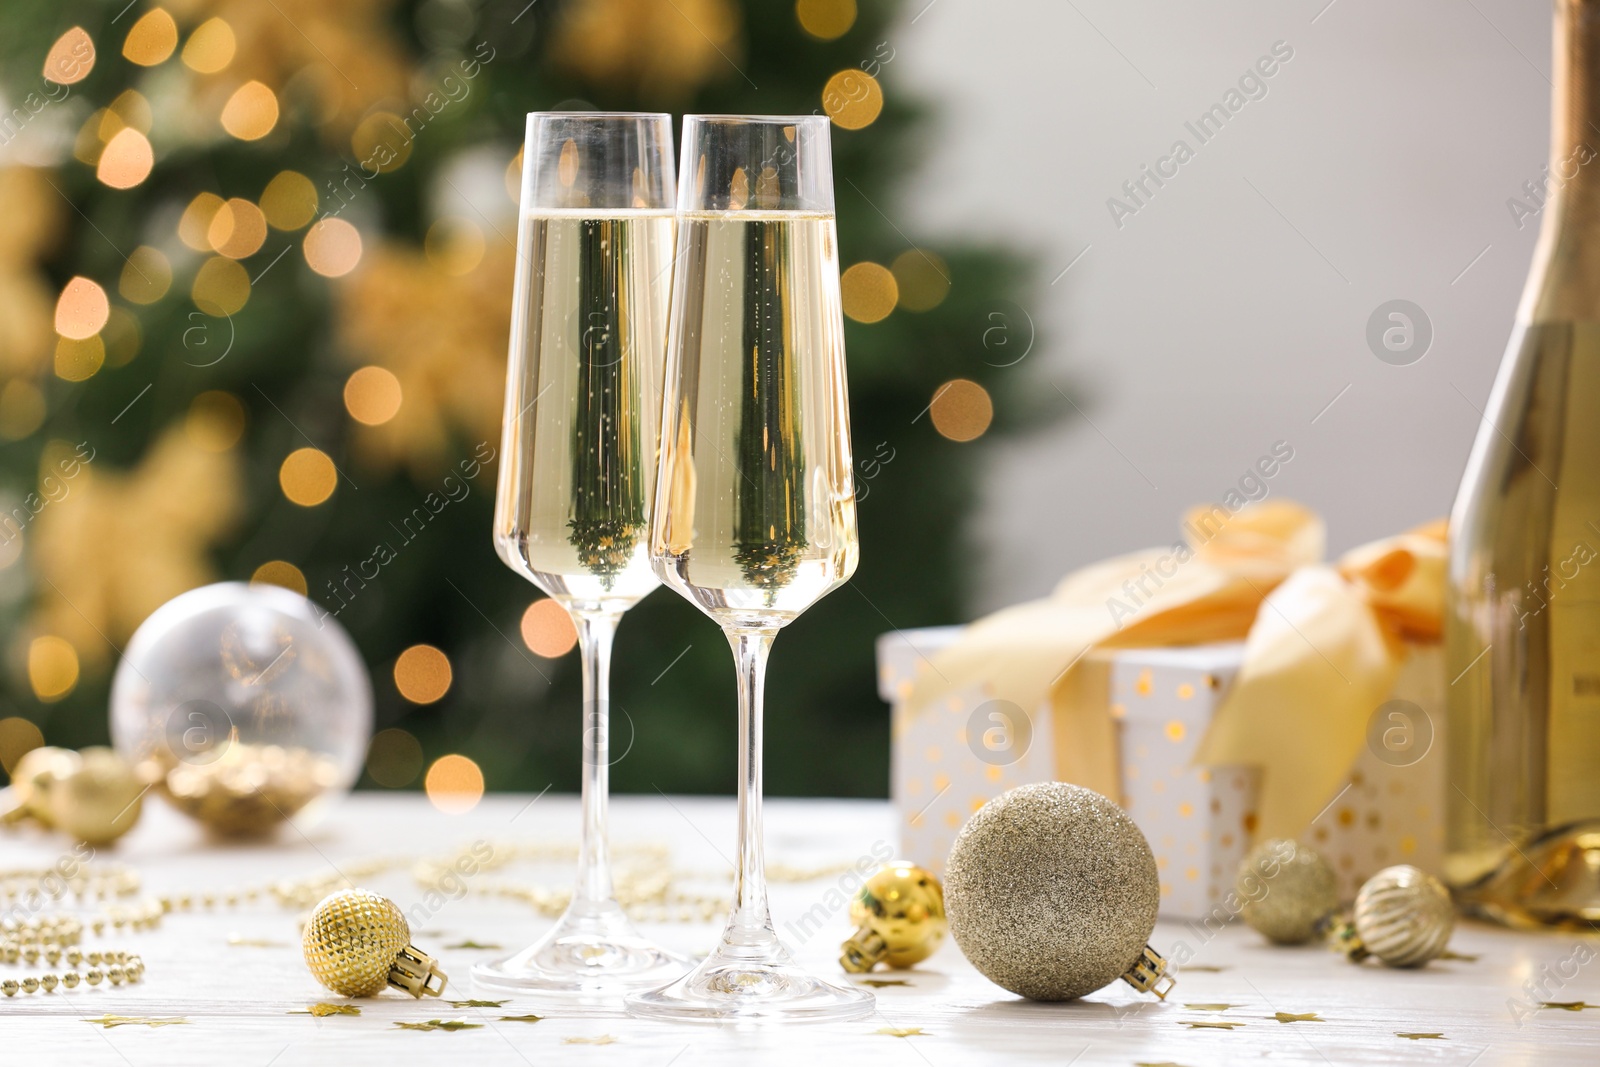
(750, 921)
(596, 630)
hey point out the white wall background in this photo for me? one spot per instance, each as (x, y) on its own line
(1233, 307)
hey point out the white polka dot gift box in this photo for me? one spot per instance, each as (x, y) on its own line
(949, 759)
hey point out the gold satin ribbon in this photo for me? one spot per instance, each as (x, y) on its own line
(1322, 646)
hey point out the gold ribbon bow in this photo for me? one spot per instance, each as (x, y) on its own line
(1322, 646)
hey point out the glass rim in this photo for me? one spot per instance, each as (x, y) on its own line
(600, 115)
(759, 120)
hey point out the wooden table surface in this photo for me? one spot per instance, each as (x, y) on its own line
(236, 975)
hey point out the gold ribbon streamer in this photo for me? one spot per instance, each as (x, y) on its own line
(1322, 646)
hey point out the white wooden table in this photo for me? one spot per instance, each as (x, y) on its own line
(237, 997)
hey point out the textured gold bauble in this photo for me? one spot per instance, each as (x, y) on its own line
(357, 942)
(1287, 890)
(1052, 891)
(899, 919)
(1403, 916)
(35, 778)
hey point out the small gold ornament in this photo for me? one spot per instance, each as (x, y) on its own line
(36, 775)
(1052, 893)
(100, 801)
(1403, 916)
(94, 795)
(899, 919)
(357, 942)
(1287, 889)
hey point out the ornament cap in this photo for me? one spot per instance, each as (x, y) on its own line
(414, 972)
(863, 950)
(1149, 974)
(1343, 939)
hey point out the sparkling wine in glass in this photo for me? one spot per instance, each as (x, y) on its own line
(755, 506)
(578, 467)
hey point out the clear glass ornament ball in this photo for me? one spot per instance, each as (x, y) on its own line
(246, 706)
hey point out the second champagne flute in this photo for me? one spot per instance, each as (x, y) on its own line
(755, 516)
(588, 332)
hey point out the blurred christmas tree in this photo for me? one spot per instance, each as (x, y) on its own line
(255, 277)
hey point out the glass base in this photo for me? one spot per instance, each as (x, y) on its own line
(751, 983)
(593, 952)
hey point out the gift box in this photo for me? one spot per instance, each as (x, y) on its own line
(950, 758)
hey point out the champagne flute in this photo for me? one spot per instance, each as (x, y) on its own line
(588, 333)
(755, 505)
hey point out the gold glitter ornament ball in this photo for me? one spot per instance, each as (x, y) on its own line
(1287, 890)
(357, 942)
(1051, 891)
(1403, 916)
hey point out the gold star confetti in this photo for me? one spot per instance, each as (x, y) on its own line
(451, 1025)
(1420, 1037)
(477, 1003)
(603, 1039)
(900, 1031)
(322, 1011)
(1210, 1007)
(880, 983)
(1568, 1005)
(1462, 956)
(463, 945)
(1210, 1026)
(520, 1018)
(1291, 1017)
(108, 1021)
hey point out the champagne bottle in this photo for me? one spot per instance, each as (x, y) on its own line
(1522, 626)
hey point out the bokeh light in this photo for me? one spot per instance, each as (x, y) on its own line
(121, 337)
(372, 395)
(82, 309)
(826, 19)
(22, 409)
(251, 112)
(333, 248)
(454, 245)
(547, 629)
(152, 39)
(382, 142)
(868, 292)
(52, 667)
(454, 784)
(394, 758)
(71, 58)
(308, 477)
(221, 287)
(146, 276)
(215, 421)
(852, 98)
(210, 47)
(514, 178)
(961, 410)
(194, 227)
(923, 279)
(238, 229)
(78, 361)
(18, 737)
(131, 108)
(422, 674)
(289, 201)
(280, 573)
(126, 160)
